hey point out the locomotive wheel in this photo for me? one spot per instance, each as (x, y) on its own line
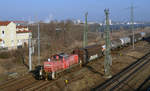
(46, 76)
(103, 53)
(84, 60)
(40, 75)
(54, 75)
(80, 62)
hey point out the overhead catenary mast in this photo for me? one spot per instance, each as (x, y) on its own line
(108, 59)
(38, 44)
(85, 40)
(30, 53)
(132, 24)
(30, 45)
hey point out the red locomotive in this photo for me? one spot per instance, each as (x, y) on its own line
(58, 63)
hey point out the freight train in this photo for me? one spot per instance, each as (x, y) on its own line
(81, 56)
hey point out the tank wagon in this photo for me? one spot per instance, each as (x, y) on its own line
(125, 41)
(115, 44)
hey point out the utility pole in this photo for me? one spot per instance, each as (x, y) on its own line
(30, 53)
(38, 44)
(108, 59)
(85, 40)
(64, 29)
(132, 22)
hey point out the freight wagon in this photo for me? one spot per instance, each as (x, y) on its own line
(88, 53)
(137, 37)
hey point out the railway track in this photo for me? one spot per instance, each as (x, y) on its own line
(34, 86)
(13, 81)
(30, 84)
(46, 86)
(145, 85)
(43, 85)
(13, 84)
(119, 80)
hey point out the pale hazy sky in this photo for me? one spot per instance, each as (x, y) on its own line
(73, 9)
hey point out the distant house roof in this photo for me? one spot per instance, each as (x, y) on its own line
(4, 23)
(21, 26)
(24, 31)
(19, 21)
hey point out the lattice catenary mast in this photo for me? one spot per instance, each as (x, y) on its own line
(108, 59)
(85, 40)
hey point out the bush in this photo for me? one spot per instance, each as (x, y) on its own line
(5, 55)
(19, 55)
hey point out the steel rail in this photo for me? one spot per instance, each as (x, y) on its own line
(118, 75)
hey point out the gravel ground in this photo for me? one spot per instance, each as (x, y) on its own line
(92, 74)
(94, 71)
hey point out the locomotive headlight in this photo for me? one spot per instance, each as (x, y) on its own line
(40, 72)
(103, 47)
